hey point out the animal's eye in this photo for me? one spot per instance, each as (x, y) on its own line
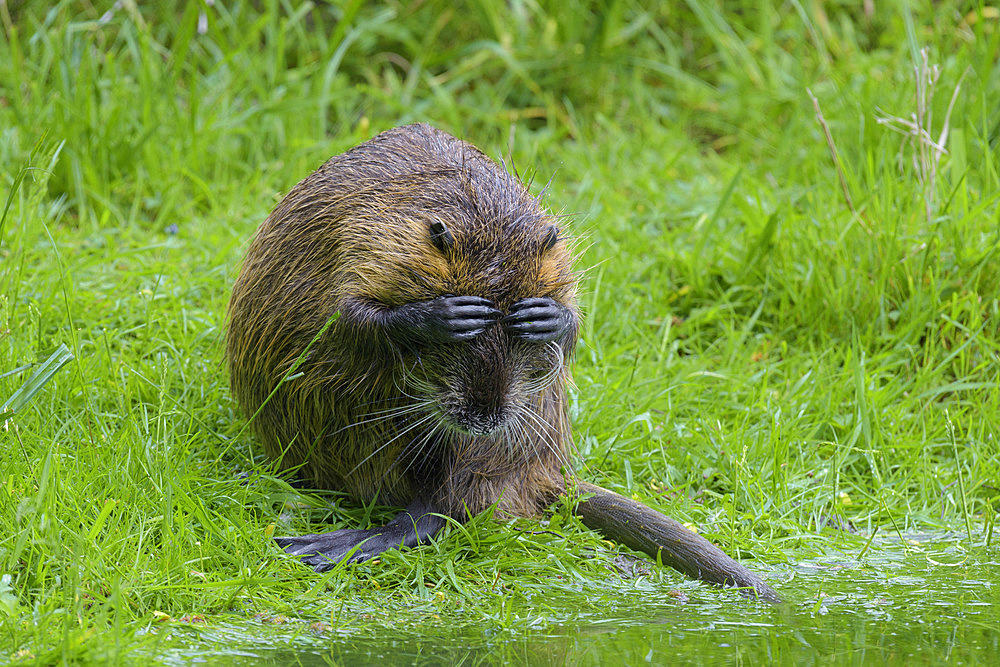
(440, 236)
(551, 238)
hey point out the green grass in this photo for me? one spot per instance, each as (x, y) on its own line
(758, 359)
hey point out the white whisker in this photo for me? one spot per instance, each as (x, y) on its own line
(378, 449)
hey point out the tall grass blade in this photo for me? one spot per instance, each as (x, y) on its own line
(45, 372)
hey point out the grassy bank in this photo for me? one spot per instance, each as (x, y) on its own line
(791, 338)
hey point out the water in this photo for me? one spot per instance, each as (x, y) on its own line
(923, 600)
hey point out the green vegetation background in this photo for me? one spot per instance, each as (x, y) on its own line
(787, 346)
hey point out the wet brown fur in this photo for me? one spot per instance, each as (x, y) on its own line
(352, 236)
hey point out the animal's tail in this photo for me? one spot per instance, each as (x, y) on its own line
(644, 529)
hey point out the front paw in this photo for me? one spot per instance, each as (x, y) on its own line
(538, 320)
(458, 318)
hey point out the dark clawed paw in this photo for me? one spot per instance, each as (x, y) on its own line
(323, 551)
(459, 318)
(537, 319)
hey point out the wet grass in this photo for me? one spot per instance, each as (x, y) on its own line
(789, 368)
(853, 610)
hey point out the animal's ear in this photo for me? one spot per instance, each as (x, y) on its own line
(441, 236)
(551, 238)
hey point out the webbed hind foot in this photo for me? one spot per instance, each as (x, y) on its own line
(321, 551)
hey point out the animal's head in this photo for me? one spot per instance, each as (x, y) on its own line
(463, 226)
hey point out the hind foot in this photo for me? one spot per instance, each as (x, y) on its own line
(321, 551)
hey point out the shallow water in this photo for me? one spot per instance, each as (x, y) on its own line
(922, 600)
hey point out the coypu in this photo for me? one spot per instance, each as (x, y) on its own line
(400, 331)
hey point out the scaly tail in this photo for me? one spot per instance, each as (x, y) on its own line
(644, 529)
